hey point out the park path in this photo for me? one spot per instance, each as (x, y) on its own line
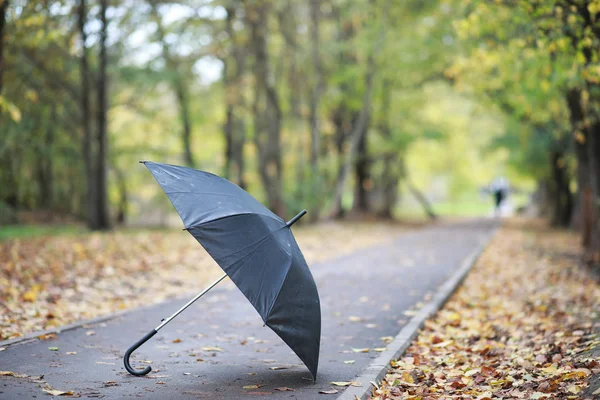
(219, 345)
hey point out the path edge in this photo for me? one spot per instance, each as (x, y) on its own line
(378, 368)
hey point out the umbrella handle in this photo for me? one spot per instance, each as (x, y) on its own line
(296, 218)
(132, 349)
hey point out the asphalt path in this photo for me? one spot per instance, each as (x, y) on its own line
(219, 348)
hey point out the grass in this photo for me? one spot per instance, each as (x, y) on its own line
(25, 231)
(467, 207)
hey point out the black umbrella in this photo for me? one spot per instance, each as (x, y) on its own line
(255, 248)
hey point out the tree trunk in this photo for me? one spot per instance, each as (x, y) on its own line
(391, 162)
(582, 218)
(184, 112)
(594, 158)
(179, 88)
(563, 203)
(123, 207)
(45, 165)
(360, 127)
(101, 125)
(234, 129)
(421, 199)
(91, 209)
(3, 10)
(315, 99)
(362, 175)
(267, 113)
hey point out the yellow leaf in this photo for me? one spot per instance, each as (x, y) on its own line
(360, 350)
(55, 392)
(29, 296)
(549, 370)
(573, 389)
(209, 348)
(250, 387)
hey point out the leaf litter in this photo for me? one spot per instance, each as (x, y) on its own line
(524, 325)
(57, 280)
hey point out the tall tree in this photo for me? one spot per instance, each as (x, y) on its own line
(86, 119)
(234, 66)
(266, 108)
(318, 86)
(360, 127)
(178, 85)
(3, 11)
(101, 124)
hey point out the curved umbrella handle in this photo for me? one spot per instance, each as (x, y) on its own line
(132, 349)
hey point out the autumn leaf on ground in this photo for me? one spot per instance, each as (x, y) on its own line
(250, 387)
(518, 327)
(212, 348)
(349, 383)
(54, 392)
(177, 340)
(349, 362)
(365, 350)
(284, 389)
(330, 391)
(73, 278)
(10, 373)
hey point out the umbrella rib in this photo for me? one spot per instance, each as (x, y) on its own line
(230, 216)
(279, 291)
(207, 193)
(258, 243)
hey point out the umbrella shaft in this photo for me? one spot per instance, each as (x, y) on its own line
(189, 303)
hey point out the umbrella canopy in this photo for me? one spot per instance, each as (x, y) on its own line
(255, 248)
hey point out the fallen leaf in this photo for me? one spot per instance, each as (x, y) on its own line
(366, 350)
(355, 319)
(250, 387)
(212, 349)
(47, 336)
(55, 392)
(71, 353)
(380, 349)
(349, 362)
(349, 383)
(90, 333)
(285, 389)
(277, 368)
(30, 296)
(53, 348)
(177, 340)
(331, 391)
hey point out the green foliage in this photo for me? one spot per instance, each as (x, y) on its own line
(464, 91)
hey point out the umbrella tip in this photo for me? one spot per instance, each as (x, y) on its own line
(296, 218)
(142, 161)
